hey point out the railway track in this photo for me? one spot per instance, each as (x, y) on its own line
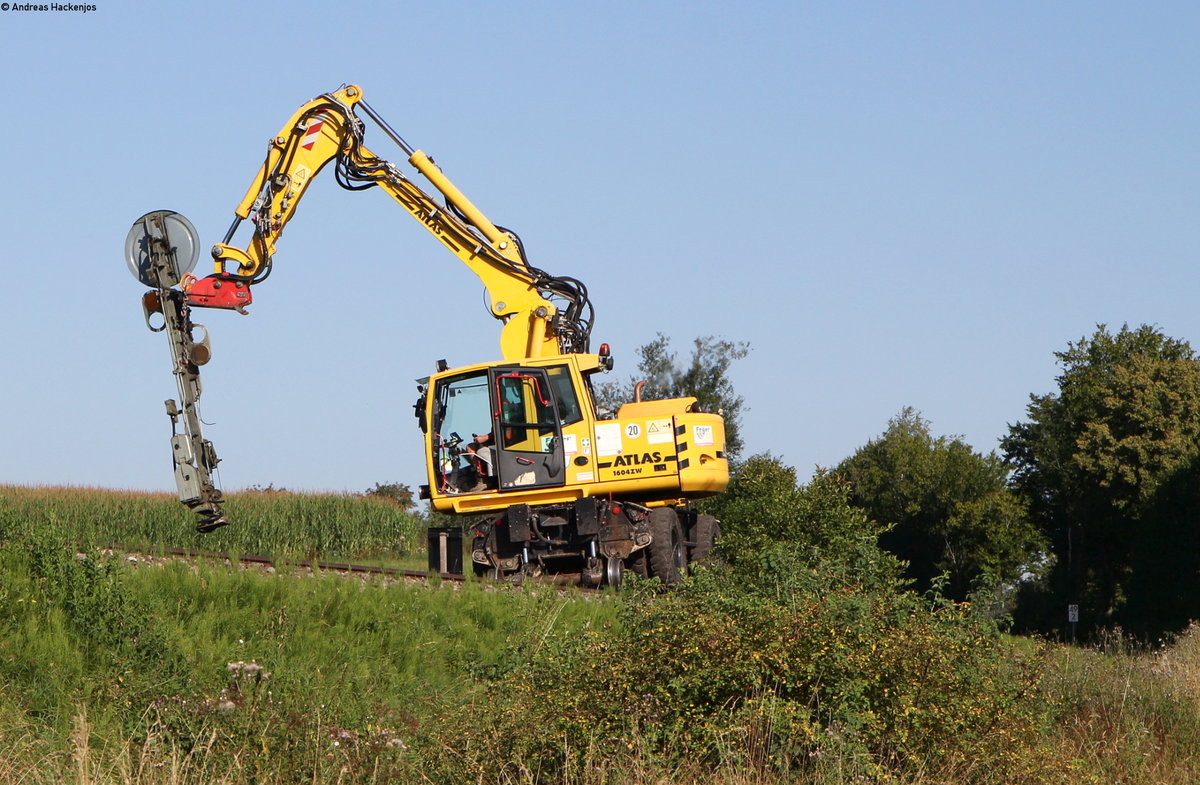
(345, 568)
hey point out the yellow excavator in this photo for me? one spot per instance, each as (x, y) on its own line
(553, 483)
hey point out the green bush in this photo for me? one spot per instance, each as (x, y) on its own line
(782, 537)
(715, 676)
(800, 656)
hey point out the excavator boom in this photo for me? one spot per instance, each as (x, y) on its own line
(328, 129)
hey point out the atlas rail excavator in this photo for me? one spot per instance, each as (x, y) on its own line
(552, 483)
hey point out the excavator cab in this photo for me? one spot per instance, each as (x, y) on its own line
(515, 415)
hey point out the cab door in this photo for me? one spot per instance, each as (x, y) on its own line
(526, 431)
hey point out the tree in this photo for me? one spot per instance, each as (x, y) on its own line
(1163, 592)
(780, 534)
(948, 508)
(1098, 461)
(395, 492)
(706, 377)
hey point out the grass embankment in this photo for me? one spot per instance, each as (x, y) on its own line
(208, 674)
(211, 675)
(1125, 715)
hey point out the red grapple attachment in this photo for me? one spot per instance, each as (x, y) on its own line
(220, 291)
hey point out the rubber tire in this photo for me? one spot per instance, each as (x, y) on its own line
(668, 553)
(705, 533)
(637, 563)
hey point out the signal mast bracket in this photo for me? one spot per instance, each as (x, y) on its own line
(162, 248)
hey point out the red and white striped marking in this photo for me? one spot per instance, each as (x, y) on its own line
(313, 131)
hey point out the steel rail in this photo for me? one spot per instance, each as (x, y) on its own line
(561, 579)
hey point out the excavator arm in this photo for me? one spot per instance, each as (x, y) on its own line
(542, 314)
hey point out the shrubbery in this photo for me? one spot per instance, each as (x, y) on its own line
(800, 655)
(880, 684)
(781, 538)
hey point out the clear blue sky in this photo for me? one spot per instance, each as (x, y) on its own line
(895, 204)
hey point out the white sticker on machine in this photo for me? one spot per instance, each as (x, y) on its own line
(660, 431)
(608, 439)
(702, 435)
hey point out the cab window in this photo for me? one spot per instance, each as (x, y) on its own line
(526, 413)
(462, 407)
(565, 396)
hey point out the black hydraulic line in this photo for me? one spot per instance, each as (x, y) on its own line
(237, 221)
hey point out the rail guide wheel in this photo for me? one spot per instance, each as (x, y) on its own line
(614, 571)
